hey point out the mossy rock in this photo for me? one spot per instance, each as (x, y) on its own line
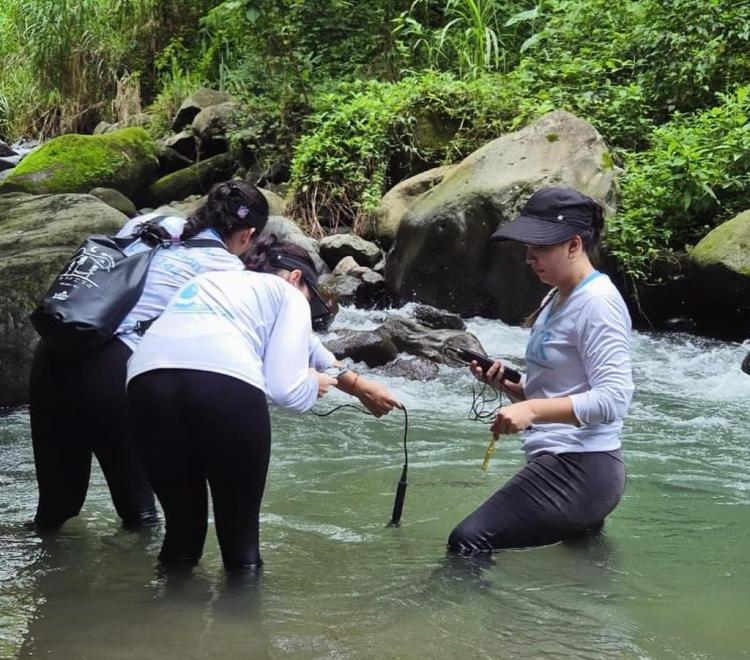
(194, 180)
(124, 160)
(720, 263)
(38, 234)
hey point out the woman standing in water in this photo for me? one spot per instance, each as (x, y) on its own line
(197, 388)
(77, 408)
(570, 407)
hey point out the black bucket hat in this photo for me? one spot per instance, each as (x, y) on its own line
(318, 307)
(550, 216)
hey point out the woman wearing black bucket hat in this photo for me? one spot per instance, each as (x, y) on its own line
(570, 407)
(197, 390)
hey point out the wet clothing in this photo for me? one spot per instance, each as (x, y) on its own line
(197, 386)
(78, 409)
(574, 476)
(553, 498)
(197, 430)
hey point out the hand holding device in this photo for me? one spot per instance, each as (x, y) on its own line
(485, 363)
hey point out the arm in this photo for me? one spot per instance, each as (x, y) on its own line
(604, 345)
(289, 381)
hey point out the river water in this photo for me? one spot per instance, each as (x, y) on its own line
(668, 578)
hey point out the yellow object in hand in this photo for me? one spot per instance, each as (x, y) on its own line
(488, 455)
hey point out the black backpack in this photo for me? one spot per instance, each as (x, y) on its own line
(96, 290)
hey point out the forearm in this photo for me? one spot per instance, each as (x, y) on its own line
(553, 410)
(349, 382)
(514, 391)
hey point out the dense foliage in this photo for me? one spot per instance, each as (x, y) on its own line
(358, 95)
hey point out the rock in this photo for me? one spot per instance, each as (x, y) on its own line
(38, 234)
(5, 150)
(183, 143)
(746, 364)
(169, 161)
(411, 368)
(334, 248)
(140, 119)
(276, 203)
(372, 348)
(9, 162)
(720, 275)
(413, 338)
(124, 160)
(116, 200)
(287, 230)
(442, 256)
(193, 104)
(192, 180)
(437, 319)
(215, 121)
(397, 202)
(360, 287)
(345, 266)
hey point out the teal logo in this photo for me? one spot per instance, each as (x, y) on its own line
(189, 292)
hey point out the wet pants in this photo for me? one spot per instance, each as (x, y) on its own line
(555, 497)
(79, 409)
(200, 429)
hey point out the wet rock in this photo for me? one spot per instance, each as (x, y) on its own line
(411, 368)
(183, 143)
(437, 319)
(746, 364)
(411, 337)
(373, 348)
(5, 150)
(192, 180)
(361, 287)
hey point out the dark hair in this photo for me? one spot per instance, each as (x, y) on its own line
(259, 259)
(591, 237)
(230, 206)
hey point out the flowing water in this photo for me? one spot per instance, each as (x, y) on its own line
(669, 577)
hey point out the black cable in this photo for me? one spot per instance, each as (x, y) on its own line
(398, 503)
(481, 410)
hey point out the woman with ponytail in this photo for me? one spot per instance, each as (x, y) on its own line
(569, 408)
(78, 409)
(198, 386)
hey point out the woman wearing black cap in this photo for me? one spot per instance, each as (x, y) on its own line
(197, 387)
(570, 407)
(78, 408)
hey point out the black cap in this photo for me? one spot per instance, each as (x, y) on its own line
(550, 216)
(318, 307)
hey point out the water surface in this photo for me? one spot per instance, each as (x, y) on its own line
(669, 578)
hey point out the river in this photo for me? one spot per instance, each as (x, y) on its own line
(668, 578)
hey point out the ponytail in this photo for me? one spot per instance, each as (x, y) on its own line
(230, 207)
(269, 248)
(531, 318)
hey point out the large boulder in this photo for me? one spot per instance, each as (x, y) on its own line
(720, 274)
(399, 200)
(287, 230)
(442, 256)
(215, 121)
(116, 200)
(124, 160)
(38, 234)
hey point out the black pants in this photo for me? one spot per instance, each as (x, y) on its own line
(194, 427)
(77, 409)
(555, 497)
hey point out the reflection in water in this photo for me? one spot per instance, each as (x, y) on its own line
(94, 611)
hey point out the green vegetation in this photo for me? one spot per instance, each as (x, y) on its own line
(356, 96)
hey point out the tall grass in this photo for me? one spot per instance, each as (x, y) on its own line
(61, 60)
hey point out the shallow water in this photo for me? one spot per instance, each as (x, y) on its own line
(669, 578)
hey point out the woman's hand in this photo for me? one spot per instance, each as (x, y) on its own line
(513, 418)
(376, 398)
(325, 382)
(494, 375)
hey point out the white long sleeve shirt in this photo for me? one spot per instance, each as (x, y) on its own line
(169, 269)
(251, 326)
(581, 350)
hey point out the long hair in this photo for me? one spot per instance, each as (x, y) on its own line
(230, 206)
(268, 247)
